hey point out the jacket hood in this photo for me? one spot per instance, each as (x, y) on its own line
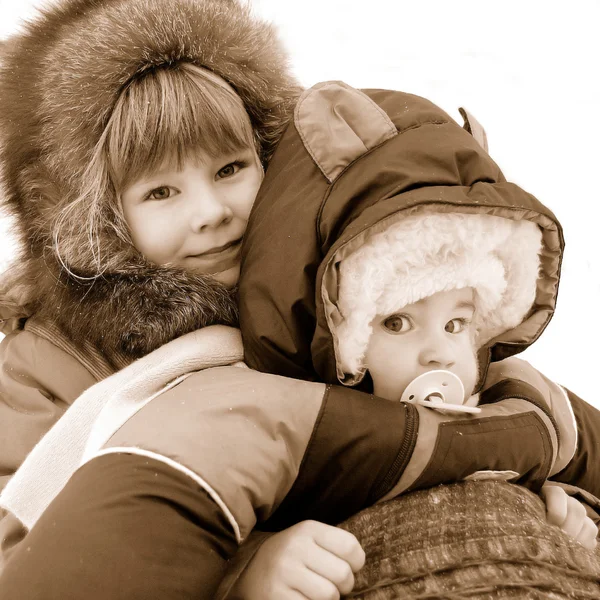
(60, 79)
(352, 163)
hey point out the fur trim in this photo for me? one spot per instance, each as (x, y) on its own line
(125, 314)
(143, 307)
(63, 75)
(422, 255)
(60, 79)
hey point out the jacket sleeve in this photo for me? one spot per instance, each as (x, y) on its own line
(122, 527)
(583, 470)
(365, 450)
(577, 463)
(238, 563)
(38, 381)
(263, 448)
(277, 451)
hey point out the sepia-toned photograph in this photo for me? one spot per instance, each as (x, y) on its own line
(298, 301)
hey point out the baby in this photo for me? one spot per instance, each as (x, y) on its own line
(421, 298)
(427, 293)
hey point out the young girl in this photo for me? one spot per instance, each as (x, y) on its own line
(131, 172)
(135, 135)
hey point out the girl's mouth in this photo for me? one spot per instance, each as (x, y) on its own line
(218, 249)
(217, 260)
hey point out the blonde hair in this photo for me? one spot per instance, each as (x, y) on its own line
(164, 114)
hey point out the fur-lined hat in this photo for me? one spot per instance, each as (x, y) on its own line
(423, 254)
(60, 79)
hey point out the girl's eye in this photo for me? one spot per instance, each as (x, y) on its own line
(229, 170)
(397, 324)
(160, 193)
(456, 325)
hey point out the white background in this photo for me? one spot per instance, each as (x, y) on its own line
(527, 69)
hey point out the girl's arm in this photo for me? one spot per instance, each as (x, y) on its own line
(228, 447)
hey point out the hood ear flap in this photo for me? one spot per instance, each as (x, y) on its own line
(338, 124)
(474, 127)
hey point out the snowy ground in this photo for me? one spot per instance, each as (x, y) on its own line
(527, 69)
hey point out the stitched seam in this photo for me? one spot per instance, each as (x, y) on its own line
(573, 420)
(536, 403)
(90, 358)
(313, 435)
(177, 466)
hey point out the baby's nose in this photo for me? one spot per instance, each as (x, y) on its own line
(437, 355)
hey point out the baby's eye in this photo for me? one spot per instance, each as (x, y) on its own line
(397, 324)
(228, 170)
(160, 193)
(456, 325)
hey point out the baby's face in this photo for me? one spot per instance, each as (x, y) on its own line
(434, 333)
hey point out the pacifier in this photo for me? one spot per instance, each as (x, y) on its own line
(439, 389)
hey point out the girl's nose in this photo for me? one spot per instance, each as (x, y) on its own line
(437, 353)
(210, 212)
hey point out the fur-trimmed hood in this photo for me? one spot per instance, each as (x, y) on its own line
(362, 161)
(60, 79)
(428, 252)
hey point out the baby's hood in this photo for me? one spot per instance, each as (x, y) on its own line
(60, 78)
(352, 163)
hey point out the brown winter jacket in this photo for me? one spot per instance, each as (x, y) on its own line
(359, 160)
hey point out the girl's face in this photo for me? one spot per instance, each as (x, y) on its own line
(434, 333)
(194, 218)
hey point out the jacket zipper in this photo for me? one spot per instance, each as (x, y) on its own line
(405, 452)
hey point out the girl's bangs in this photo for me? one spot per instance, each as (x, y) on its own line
(170, 115)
